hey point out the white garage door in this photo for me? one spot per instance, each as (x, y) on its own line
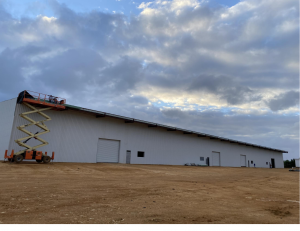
(108, 151)
(215, 159)
(243, 161)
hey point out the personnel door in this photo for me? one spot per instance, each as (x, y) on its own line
(215, 159)
(207, 161)
(243, 160)
(128, 157)
(273, 163)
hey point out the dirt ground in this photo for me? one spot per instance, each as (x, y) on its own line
(71, 193)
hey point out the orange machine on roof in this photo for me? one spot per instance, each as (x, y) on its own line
(44, 102)
(41, 99)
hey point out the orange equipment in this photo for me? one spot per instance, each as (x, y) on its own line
(29, 155)
(44, 102)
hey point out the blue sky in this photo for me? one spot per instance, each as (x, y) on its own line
(31, 8)
(226, 68)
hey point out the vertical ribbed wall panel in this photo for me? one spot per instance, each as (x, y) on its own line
(7, 110)
(74, 137)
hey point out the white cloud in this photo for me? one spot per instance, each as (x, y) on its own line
(144, 5)
(47, 19)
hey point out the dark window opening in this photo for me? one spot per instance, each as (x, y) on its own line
(267, 163)
(251, 161)
(141, 154)
(201, 158)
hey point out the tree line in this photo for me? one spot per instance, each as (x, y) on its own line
(289, 163)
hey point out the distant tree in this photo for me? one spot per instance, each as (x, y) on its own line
(289, 163)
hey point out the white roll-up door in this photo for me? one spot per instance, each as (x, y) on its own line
(243, 161)
(215, 159)
(108, 151)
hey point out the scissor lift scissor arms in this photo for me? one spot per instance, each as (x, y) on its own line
(40, 124)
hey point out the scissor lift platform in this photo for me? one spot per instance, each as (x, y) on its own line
(42, 100)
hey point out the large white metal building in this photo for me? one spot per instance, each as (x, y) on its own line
(88, 136)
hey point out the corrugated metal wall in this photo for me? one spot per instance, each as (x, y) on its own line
(74, 137)
(7, 109)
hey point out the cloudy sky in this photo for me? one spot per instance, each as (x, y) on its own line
(226, 68)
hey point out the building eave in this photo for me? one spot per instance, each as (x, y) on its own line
(100, 114)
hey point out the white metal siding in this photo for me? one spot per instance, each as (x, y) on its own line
(243, 161)
(74, 138)
(215, 159)
(297, 162)
(108, 151)
(7, 110)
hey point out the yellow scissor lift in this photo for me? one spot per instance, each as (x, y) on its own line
(45, 102)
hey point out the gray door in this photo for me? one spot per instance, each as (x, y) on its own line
(215, 159)
(108, 151)
(128, 157)
(243, 161)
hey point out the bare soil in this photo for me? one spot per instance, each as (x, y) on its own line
(71, 193)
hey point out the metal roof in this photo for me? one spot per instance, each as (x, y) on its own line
(169, 128)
